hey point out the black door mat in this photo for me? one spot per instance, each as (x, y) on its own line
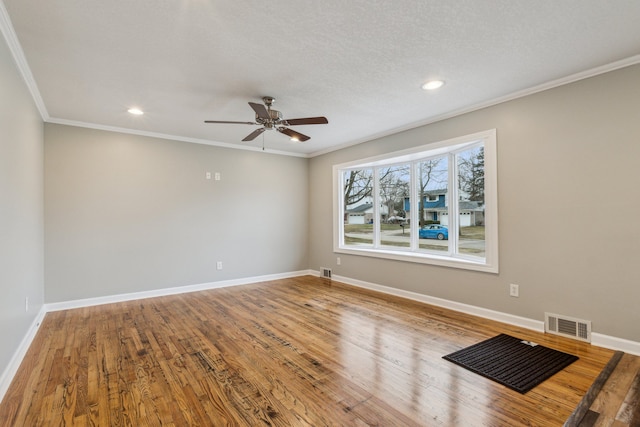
(512, 362)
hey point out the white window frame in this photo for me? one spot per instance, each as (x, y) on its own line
(487, 264)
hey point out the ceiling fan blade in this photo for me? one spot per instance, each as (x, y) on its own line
(260, 110)
(224, 121)
(293, 134)
(254, 134)
(306, 121)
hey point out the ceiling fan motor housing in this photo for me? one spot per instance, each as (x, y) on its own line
(276, 117)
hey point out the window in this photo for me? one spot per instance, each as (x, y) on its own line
(434, 204)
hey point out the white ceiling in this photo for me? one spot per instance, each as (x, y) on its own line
(360, 63)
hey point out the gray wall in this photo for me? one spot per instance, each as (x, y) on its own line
(569, 206)
(21, 212)
(127, 213)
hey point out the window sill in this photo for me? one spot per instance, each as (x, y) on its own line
(423, 258)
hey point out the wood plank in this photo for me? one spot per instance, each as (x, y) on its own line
(611, 398)
(589, 419)
(631, 402)
(303, 351)
(582, 409)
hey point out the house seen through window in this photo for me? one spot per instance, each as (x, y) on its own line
(434, 204)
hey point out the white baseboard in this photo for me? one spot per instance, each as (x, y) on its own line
(18, 356)
(600, 340)
(88, 302)
(615, 343)
(511, 319)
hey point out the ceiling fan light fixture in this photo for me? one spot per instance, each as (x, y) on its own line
(433, 84)
(135, 111)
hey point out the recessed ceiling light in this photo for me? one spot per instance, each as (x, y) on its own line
(294, 139)
(135, 111)
(432, 84)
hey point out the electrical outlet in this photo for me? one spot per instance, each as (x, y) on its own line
(217, 176)
(208, 175)
(219, 265)
(26, 303)
(514, 290)
(338, 261)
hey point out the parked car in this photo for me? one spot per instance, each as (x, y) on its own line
(434, 231)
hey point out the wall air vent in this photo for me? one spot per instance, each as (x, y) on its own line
(325, 272)
(567, 326)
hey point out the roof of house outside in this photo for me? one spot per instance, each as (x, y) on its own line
(360, 208)
(465, 205)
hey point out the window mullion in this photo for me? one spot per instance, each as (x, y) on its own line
(376, 207)
(340, 193)
(453, 205)
(414, 217)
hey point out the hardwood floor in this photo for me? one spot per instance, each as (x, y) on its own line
(295, 352)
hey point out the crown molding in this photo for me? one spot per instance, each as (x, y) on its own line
(21, 61)
(14, 46)
(627, 62)
(169, 137)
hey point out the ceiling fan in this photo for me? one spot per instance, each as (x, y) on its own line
(272, 119)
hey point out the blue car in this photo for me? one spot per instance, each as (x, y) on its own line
(434, 231)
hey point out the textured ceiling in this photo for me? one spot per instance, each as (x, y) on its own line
(359, 63)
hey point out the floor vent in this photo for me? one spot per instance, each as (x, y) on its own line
(568, 326)
(325, 272)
